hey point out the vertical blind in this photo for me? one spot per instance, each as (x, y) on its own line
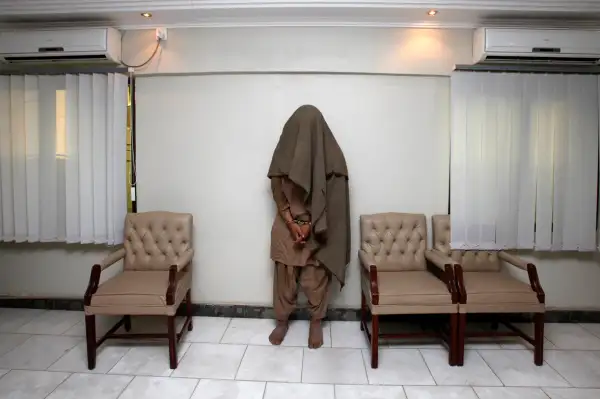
(63, 158)
(524, 161)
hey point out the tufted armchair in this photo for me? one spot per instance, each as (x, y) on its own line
(156, 278)
(400, 276)
(484, 286)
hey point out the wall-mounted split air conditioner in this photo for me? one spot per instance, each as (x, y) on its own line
(61, 46)
(536, 46)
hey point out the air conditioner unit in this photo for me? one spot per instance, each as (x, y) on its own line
(61, 46)
(536, 46)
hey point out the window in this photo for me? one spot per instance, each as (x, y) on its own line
(63, 175)
(524, 161)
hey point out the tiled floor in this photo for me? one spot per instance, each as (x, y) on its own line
(42, 355)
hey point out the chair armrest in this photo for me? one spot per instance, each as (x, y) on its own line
(112, 259)
(175, 275)
(441, 266)
(97, 270)
(513, 260)
(534, 280)
(365, 260)
(184, 259)
(370, 270)
(460, 283)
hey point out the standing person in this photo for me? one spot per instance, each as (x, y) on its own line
(310, 238)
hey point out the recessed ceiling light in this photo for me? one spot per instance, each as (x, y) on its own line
(147, 15)
(432, 13)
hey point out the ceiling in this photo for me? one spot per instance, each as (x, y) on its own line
(125, 14)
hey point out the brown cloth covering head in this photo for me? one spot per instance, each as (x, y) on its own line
(309, 155)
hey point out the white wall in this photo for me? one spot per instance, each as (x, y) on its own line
(60, 271)
(206, 146)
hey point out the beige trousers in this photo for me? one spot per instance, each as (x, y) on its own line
(314, 281)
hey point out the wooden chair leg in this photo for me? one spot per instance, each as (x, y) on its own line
(127, 323)
(538, 350)
(460, 345)
(90, 335)
(363, 310)
(452, 358)
(172, 342)
(188, 307)
(375, 341)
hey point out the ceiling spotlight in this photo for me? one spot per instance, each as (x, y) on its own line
(432, 13)
(147, 15)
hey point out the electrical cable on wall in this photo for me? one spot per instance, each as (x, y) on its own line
(148, 60)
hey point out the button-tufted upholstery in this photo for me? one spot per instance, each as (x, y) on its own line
(396, 244)
(395, 241)
(156, 240)
(486, 292)
(470, 260)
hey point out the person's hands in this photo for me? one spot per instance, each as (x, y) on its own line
(305, 229)
(296, 232)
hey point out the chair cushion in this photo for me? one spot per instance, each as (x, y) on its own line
(140, 288)
(412, 288)
(497, 287)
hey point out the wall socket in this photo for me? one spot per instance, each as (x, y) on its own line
(161, 34)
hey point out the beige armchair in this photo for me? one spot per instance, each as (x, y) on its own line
(156, 278)
(401, 277)
(484, 286)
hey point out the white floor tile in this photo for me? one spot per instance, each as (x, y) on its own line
(52, 322)
(103, 324)
(248, 332)
(398, 367)
(580, 368)
(594, 328)
(440, 393)
(297, 334)
(333, 366)
(571, 336)
(368, 392)
(271, 363)
(13, 319)
(277, 390)
(474, 372)
(347, 334)
(21, 384)
(38, 352)
(572, 393)
(509, 393)
(75, 360)
(221, 389)
(516, 368)
(159, 388)
(2, 372)
(210, 361)
(9, 342)
(91, 386)
(207, 329)
(148, 359)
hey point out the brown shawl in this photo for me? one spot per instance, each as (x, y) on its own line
(308, 155)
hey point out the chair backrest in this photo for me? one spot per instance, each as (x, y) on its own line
(156, 240)
(470, 260)
(397, 239)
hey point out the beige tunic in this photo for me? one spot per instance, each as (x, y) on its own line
(283, 248)
(293, 263)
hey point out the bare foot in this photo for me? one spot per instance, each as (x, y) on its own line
(278, 334)
(315, 334)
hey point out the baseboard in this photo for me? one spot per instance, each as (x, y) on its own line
(265, 312)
